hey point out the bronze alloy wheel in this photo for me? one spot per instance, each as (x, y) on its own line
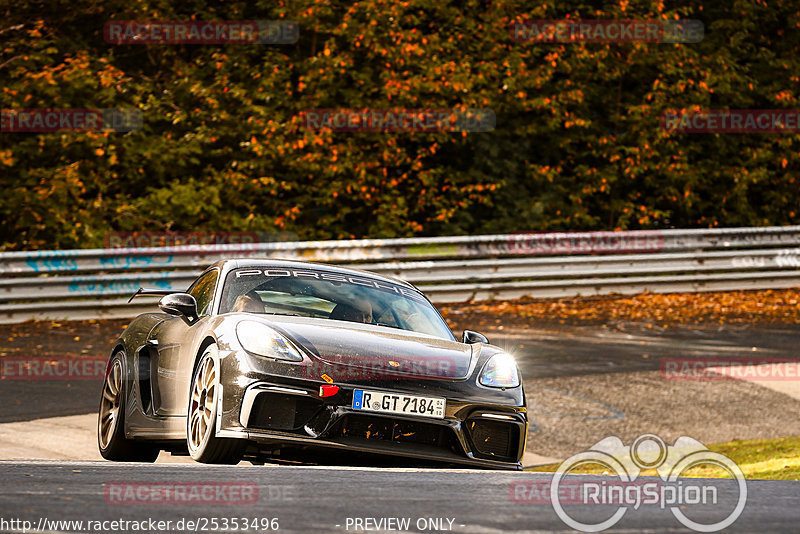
(111, 438)
(202, 404)
(110, 404)
(201, 439)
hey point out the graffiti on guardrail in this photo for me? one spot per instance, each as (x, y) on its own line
(127, 262)
(117, 286)
(586, 242)
(781, 258)
(43, 284)
(754, 236)
(788, 258)
(52, 264)
(749, 262)
(56, 264)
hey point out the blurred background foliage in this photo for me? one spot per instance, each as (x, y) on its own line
(578, 143)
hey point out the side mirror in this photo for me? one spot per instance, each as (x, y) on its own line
(180, 305)
(474, 337)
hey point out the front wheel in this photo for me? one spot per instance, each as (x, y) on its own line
(204, 446)
(111, 438)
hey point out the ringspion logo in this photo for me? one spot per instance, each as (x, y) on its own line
(626, 491)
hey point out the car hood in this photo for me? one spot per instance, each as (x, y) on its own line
(381, 350)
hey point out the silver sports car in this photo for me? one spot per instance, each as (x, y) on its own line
(258, 356)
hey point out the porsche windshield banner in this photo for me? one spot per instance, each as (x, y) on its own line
(333, 278)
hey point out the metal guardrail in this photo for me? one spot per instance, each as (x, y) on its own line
(80, 284)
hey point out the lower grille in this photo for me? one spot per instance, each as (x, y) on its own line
(397, 430)
(494, 440)
(276, 411)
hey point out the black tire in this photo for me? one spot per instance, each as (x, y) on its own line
(111, 438)
(201, 416)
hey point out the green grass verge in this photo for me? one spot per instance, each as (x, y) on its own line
(766, 459)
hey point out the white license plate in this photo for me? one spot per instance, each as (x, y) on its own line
(383, 402)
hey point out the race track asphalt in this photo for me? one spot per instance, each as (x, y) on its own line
(584, 383)
(316, 499)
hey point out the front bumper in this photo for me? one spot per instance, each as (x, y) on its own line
(480, 434)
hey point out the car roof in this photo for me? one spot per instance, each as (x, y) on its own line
(237, 263)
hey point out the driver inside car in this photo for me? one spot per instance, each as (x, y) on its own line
(249, 302)
(360, 312)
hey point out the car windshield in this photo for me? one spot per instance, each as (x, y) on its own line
(330, 295)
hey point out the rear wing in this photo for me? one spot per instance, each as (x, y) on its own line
(143, 292)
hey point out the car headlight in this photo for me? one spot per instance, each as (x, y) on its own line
(500, 372)
(260, 339)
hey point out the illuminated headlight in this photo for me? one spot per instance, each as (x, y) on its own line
(500, 372)
(264, 341)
